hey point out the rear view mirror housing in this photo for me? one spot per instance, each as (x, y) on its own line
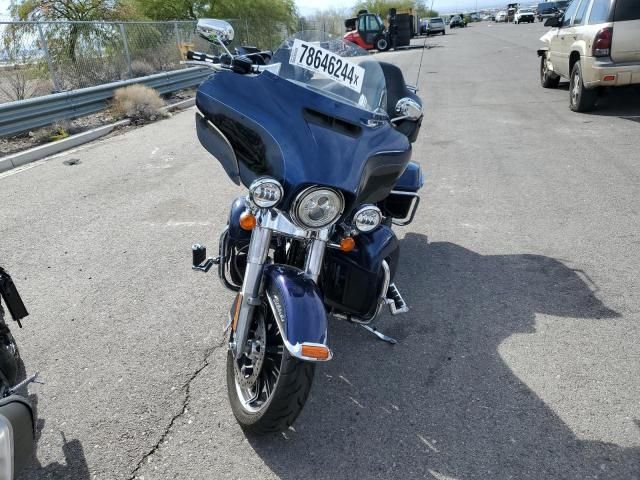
(16, 435)
(214, 30)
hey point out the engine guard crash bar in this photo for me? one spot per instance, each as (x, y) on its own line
(415, 201)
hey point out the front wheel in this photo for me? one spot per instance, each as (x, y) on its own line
(382, 44)
(548, 79)
(12, 369)
(268, 388)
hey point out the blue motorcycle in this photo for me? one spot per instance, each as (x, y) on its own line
(321, 136)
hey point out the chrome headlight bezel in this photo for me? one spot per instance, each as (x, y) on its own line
(366, 226)
(298, 217)
(256, 190)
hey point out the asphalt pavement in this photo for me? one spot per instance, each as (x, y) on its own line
(519, 358)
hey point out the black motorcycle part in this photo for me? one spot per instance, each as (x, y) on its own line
(199, 254)
(241, 65)
(397, 89)
(399, 206)
(351, 282)
(9, 293)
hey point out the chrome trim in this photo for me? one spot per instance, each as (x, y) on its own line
(315, 256)
(296, 203)
(363, 209)
(224, 252)
(413, 209)
(409, 109)
(275, 220)
(261, 181)
(295, 350)
(256, 257)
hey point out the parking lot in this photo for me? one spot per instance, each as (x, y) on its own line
(519, 358)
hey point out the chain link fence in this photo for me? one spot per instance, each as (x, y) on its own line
(38, 58)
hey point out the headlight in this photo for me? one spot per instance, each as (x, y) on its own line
(317, 207)
(265, 192)
(367, 218)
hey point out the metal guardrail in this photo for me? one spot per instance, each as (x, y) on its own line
(24, 115)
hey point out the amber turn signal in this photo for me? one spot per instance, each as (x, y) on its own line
(319, 352)
(347, 244)
(247, 221)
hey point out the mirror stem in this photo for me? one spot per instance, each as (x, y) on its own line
(223, 45)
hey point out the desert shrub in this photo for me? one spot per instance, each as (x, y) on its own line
(52, 133)
(21, 82)
(140, 68)
(139, 103)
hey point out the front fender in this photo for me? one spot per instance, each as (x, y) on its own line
(297, 305)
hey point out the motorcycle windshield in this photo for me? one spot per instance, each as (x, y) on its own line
(314, 117)
(332, 67)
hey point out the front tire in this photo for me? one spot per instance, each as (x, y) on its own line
(580, 98)
(382, 44)
(548, 79)
(282, 385)
(12, 369)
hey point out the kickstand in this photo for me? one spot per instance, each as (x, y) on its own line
(379, 334)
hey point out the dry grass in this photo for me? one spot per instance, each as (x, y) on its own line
(139, 103)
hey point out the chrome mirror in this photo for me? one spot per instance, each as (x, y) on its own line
(408, 109)
(215, 31)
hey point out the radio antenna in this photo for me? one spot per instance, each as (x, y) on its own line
(424, 46)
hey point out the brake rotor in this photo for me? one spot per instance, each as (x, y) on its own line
(249, 366)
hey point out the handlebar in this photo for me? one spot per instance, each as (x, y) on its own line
(242, 64)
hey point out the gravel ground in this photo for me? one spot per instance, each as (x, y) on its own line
(519, 358)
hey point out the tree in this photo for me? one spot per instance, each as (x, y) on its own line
(382, 7)
(269, 10)
(74, 10)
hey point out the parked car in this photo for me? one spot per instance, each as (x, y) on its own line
(524, 16)
(457, 22)
(550, 9)
(433, 26)
(489, 18)
(595, 44)
(501, 16)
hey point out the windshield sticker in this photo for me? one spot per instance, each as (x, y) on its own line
(314, 58)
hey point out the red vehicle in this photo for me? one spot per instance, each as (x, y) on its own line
(367, 31)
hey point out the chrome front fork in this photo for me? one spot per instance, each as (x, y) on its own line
(315, 256)
(250, 292)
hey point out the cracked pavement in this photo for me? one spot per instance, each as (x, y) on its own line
(517, 360)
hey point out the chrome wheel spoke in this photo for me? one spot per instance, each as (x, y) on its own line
(258, 371)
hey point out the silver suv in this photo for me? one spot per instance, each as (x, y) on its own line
(594, 44)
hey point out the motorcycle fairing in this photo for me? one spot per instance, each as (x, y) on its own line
(303, 137)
